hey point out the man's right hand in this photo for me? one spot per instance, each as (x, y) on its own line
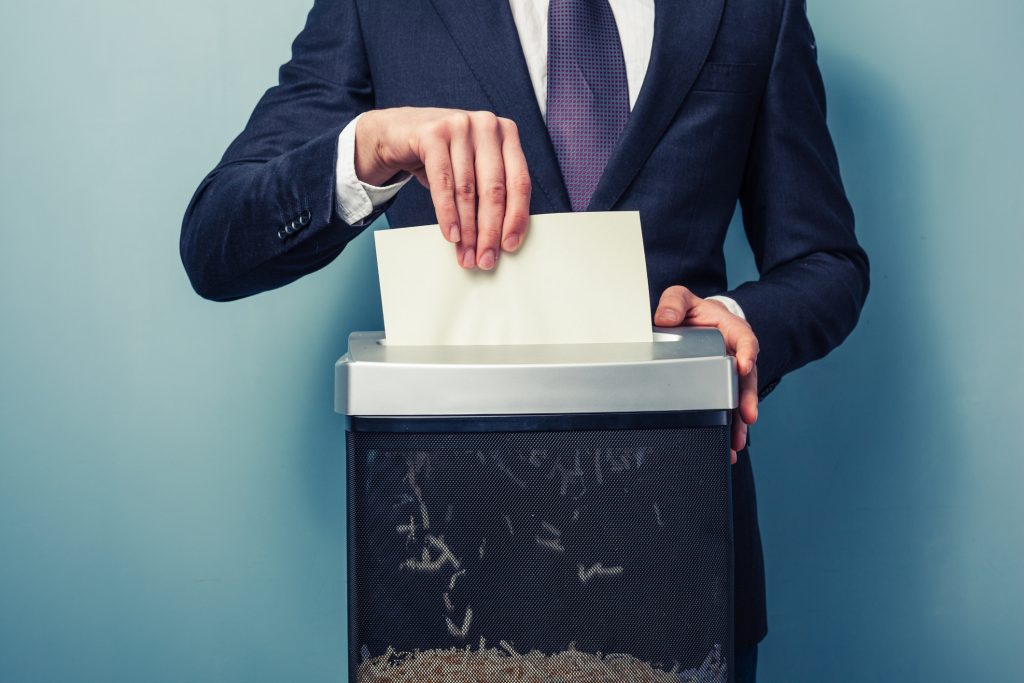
(471, 162)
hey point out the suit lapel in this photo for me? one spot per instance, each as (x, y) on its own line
(485, 33)
(683, 33)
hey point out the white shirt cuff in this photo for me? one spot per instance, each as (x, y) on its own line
(356, 200)
(729, 303)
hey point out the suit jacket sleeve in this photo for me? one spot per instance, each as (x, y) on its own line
(265, 216)
(813, 274)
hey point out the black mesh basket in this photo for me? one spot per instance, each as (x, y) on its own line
(545, 515)
(569, 555)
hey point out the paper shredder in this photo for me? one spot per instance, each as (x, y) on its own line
(539, 513)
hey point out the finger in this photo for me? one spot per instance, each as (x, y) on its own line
(746, 348)
(490, 174)
(733, 457)
(464, 172)
(738, 335)
(517, 180)
(437, 165)
(739, 433)
(421, 175)
(673, 306)
(741, 342)
(748, 397)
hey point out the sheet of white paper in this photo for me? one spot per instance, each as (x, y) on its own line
(577, 278)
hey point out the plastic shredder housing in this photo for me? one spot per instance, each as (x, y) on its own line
(539, 513)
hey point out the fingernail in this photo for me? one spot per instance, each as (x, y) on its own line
(487, 259)
(669, 315)
(469, 259)
(511, 242)
(454, 234)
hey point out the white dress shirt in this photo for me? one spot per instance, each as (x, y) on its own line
(356, 200)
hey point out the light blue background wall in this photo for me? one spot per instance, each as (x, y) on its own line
(171, 479)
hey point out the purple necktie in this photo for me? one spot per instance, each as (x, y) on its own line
(588, 96)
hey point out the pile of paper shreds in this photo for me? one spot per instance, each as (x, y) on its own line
(505, 665)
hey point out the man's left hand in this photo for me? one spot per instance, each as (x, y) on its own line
(680, 306)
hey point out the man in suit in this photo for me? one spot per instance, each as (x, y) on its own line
(675, 108)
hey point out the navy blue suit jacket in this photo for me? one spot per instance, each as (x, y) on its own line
(732, 109)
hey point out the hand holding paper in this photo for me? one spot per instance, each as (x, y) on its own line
(578, 278)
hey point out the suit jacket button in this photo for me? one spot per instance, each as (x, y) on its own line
(281, 234)
(304, 218)
(295, 226)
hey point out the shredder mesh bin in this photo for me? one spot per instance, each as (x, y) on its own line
(587, 555)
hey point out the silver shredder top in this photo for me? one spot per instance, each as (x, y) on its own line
(682, 369)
